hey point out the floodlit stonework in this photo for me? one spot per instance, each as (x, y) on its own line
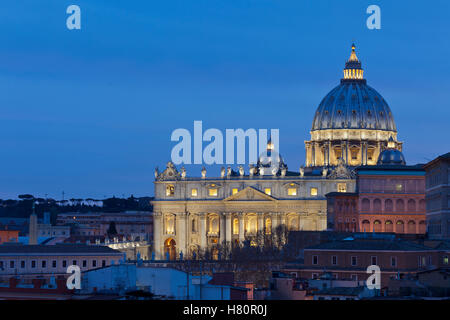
(352, 127)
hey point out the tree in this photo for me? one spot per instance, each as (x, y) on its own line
(112, 229)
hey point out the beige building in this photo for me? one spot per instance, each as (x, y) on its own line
(351, 127)
(198, 213)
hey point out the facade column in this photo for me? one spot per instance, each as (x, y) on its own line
(274, 217)
(283, 223)
(221, 228)
(181, 233)
(228, 227)
(308, 153)
(261, 222)
(202, 220)
(313, 154)
(241, 228)
(157, 234)
(364, 153)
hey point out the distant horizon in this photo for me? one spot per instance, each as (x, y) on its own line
(90, 112)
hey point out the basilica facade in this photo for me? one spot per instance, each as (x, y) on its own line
(351, 127)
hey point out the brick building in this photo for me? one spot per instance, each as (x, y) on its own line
(389, 197)
(348, 259)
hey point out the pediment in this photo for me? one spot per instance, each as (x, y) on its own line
(250, 194)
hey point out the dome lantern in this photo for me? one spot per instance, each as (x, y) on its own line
(353, 70)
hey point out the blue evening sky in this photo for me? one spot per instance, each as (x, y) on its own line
(91, 111)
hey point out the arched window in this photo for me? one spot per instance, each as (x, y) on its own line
(214, 225)
(194, 224)
(169, 223)
(366, 226)
(251, 224)
(388, 205)
(268, 226)
(411, 226)
(377, 205)
(377, 226)
(400, 205)
(422, 204)
(400, 227)
(235, 226)
(411, 205)
(388, 226)
(292, 223)
(365, 204)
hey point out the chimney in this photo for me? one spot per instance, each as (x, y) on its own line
(32, 232)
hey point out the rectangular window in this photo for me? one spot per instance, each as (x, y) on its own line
(64, 264)
(445, 260)
(393, 261)
(94, 263)
(194, 192)
(33, 263)
(342, 187)
(313, 191)
(292, 191)
(373, 260)
(354, 261)
(43, 264)
(103, 263)
(268, 191)
(54, 264)
(234, 190)
(11, 264)
(84, 263)
(1, 265)
(315, 276)
(334, 260)
(315, 259)
(74, 262)
(354, 277)
(170, 190)
(22, 264)
(213, 192)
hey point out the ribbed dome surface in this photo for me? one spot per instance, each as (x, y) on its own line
(391, 157)
(353, 105)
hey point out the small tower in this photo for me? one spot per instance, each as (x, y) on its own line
(32, 232)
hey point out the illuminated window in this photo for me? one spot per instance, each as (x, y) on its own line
(170, 190)
(234, 190)
(170, 224)
(292, 191)
(213, 192)
(214, 225)
(268, 226)
(194, 192)
(235, 226)
(445, 259)
(251, 224)
(313, 191)
(398, 187)
(268, 191)
(342, 187)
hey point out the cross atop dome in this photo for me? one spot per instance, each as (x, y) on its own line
(353, 69)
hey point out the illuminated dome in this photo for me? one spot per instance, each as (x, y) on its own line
(353, 104)
(352, 124)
